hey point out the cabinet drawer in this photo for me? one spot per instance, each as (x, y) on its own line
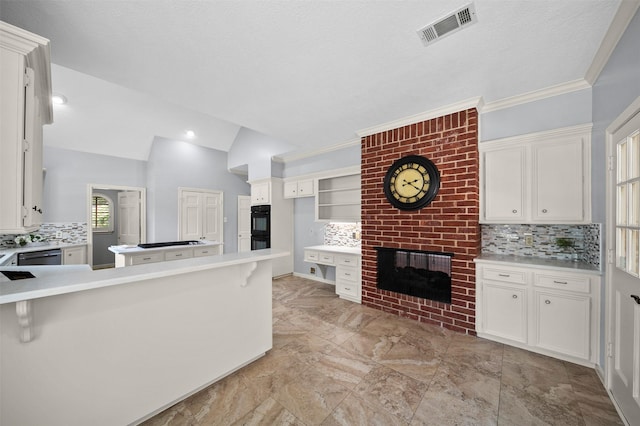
(205, 251)
(310, 256)
(563, 282)
(506, 275)
(326, 258)
(147, 258)
(347, 260)
(345, 288)
(178, 254)
(347, 274)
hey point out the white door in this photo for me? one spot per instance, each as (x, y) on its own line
(623, 225)
(129, 217)
(244, 223)
(190, 215)
(200, 215)
(212, 216)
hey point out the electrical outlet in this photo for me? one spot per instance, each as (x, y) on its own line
(59, 235)
(528, 240)
(312, 271)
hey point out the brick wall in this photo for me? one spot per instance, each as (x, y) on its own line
(448, 224)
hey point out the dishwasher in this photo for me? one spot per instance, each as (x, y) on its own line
(43, 257)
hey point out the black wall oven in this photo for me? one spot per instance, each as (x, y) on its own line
(260, 227)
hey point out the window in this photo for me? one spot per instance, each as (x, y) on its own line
(101, 213)
(628, 204)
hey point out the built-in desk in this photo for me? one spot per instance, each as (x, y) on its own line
(347, 261)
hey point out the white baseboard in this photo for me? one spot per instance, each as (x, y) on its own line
(314, 278)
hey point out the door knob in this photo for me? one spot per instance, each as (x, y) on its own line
(636, 298)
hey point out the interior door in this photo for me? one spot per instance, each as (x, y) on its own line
(190, 215)
(212, 216)
(129, 217)
(244, 223)
(623, 225)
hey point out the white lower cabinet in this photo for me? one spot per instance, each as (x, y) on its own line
(505, 310)
(74, 255)
(552, 312)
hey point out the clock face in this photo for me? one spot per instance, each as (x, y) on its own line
(411, 182)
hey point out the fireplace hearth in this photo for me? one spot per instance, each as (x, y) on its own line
(416, 273)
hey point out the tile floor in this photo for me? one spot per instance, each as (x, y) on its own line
(335, 362)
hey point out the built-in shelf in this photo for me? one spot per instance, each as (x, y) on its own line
(338, 198)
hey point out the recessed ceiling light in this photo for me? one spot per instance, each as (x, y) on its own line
(190, 134)
(58, 99)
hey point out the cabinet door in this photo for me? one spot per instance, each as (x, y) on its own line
(305, 188)
(32, 171)
(504, 185)
(504, 311)
(74, 256)
(563, 323)
(558, 182)
(290, 189)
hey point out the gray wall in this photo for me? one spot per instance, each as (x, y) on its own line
(173, 164)
(615, 89)
(569, 109)
(68, 173)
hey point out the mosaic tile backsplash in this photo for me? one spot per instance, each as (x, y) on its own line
(68, 232)
(342, 234)
(510, 239)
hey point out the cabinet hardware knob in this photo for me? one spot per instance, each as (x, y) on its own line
(560, 282)
(514, 211)
(544, 210)
(347, 288)
(515, 296)
(636, 298)
(547, 302)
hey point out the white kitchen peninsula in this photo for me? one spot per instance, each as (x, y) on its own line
(134, 255)
(117, 346)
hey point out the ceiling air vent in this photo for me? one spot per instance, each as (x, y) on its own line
(455, 21)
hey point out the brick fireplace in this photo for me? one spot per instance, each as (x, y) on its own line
(448, 224)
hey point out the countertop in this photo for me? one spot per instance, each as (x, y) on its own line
(63, 279)
(134, 249)
(336, 249)
(553, 264)
(5, 254)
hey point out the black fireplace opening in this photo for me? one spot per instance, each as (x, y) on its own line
(424, 274)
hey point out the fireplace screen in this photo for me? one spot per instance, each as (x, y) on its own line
(416, 273)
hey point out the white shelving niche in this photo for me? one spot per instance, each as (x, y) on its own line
(338, 198)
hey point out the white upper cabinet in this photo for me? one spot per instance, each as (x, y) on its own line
(505, 179)
(537, 178)
(299, 188)
(25, 106)
(260, 193)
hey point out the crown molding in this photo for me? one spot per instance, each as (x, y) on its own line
(423, 116)
(624, 15)
(294, 156)
(536, 95)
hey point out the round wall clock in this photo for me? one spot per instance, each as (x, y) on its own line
(411, 182)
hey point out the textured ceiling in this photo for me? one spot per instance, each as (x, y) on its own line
(310, 73)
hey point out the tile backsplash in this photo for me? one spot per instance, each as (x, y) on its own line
(64, 232)
(510, 239)
(342, 234)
